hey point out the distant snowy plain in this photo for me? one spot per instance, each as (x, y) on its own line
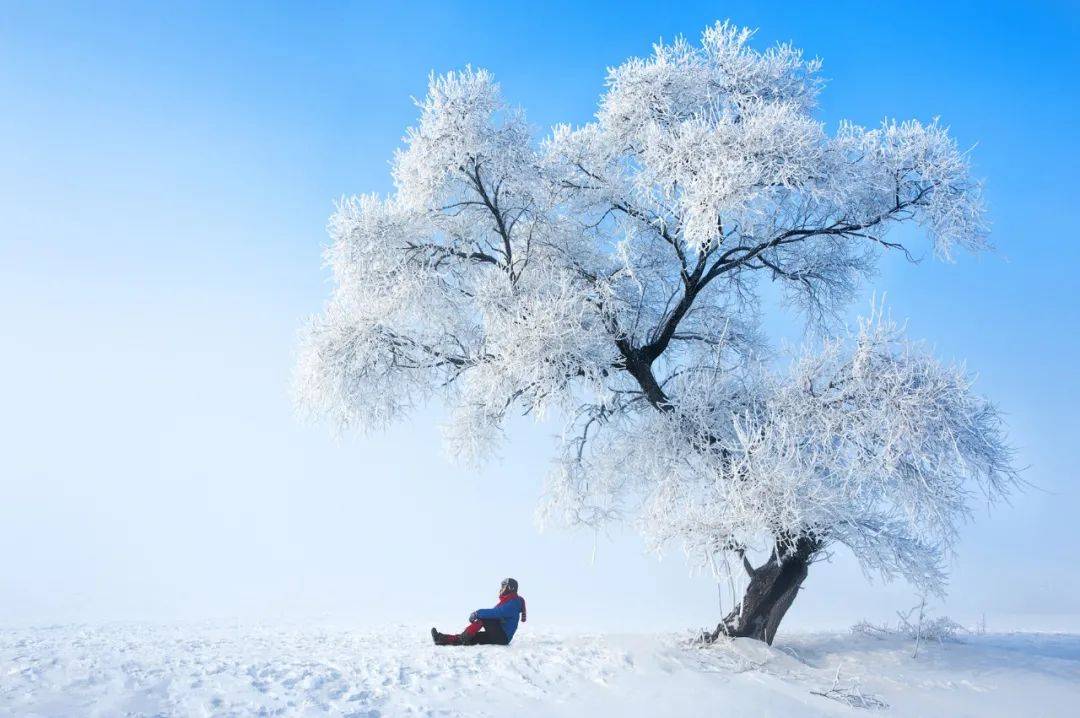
(242, 670)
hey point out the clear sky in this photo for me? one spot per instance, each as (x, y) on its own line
(166, 176)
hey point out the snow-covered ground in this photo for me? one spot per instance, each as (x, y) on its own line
(145, 670)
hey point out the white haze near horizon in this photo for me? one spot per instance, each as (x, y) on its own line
(164, 477)
(162, 219)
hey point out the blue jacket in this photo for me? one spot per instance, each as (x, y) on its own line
(507, 613)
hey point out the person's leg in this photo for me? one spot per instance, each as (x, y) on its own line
(486, 632)
(492, 634)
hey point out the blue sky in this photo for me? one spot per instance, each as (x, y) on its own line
(167, 176)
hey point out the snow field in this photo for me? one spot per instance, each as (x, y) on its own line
(173, 670)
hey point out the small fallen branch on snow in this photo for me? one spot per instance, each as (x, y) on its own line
(851, 695)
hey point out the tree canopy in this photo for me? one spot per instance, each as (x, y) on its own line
(610, 275)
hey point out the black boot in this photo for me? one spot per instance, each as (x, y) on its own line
(444, 639)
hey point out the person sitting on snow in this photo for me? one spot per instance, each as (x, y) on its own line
(489, 625)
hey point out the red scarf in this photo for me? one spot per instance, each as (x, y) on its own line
(509, 596)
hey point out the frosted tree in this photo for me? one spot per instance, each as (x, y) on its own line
(609, 277)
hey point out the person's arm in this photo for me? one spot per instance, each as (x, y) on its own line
(506, 610)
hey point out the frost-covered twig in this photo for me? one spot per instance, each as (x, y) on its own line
(941, 629)
(851, 694)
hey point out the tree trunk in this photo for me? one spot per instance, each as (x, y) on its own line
(772, 589)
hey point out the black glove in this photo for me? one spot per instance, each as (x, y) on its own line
(472, 617)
